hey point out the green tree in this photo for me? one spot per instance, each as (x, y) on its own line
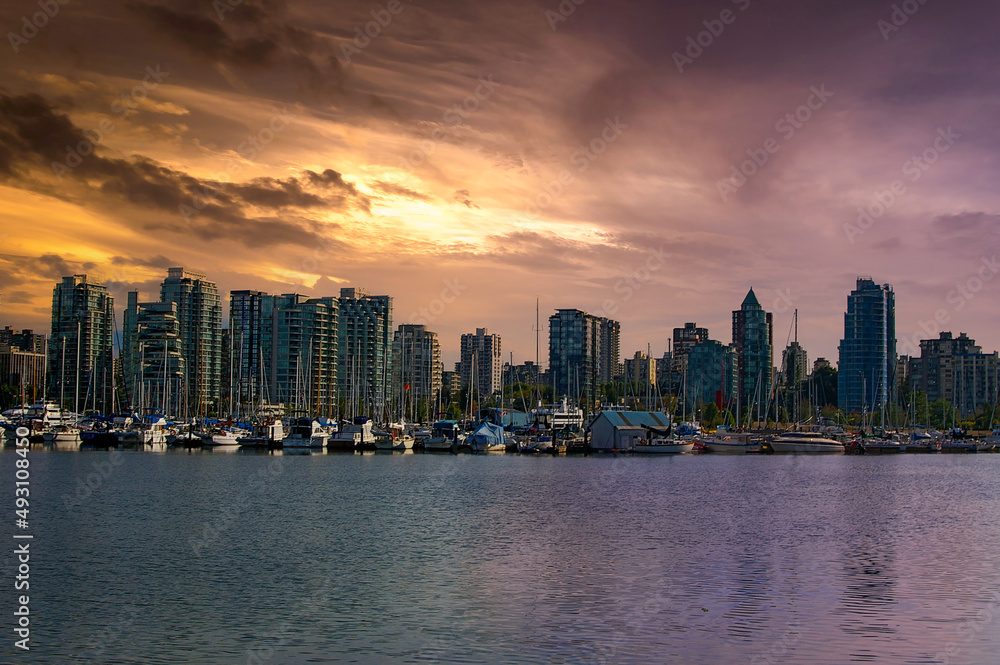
(940, 414)
(824, 386)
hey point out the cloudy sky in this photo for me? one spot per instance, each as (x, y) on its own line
(467, 158)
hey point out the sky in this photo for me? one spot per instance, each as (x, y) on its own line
(649, 161)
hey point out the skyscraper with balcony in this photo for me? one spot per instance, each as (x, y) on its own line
(301, 352)
(363, 352)
(199, 313)
(481, 355)
(417, 372)
(684, 340)
(80, 371)
(753, 339)
(583, 354)
(710, 374)
(152, 357)
(955, 369)
(868, 351)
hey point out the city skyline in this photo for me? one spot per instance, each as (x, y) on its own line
(907, 346)
(590, 159)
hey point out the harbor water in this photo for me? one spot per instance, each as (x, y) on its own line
(379, 558)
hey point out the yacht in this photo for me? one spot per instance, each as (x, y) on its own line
(663, 445)
(445, 434)
(730, 443)
(267, 433)
(223, 437)
(805, 442)
(306, 433)
(355, 435)
(63, 436)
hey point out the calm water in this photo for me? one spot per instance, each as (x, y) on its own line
(209, 558)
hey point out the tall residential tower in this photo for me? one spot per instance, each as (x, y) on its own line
(868, 350)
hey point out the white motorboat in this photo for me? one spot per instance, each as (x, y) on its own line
(395, 439)
(731, 443)
(445, 436)
(154, 434)
(306, 433)
(542, 443)
(805, 442)
(353, 435)
(223, 437)
(63, 437)
(663, 445)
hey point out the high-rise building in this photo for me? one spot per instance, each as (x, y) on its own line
(22, 363)
(684, 339)
(153, 362)
(481, 352)
(80, 372)
(868, 351)
(199, 313)
(301, 352)
(363, 352)
(609, 366)
(710, 374)
(26, 340)
(451, 386)
(753, 339)
(956, 370)
(794, 365)
(417, 372)
(247, 324)
(641, 369)
(583, 353)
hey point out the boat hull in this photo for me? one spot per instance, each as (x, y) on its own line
(663, 448)
(722, 448)
(807, 448)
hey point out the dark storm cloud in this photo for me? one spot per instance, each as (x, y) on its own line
(35, 136)
(248, 35)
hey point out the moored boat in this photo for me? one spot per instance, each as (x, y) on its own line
(805, 442)
(306, 433)
(731, 443)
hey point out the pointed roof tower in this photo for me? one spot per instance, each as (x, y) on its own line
(751, 300)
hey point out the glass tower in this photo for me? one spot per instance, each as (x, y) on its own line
(868, 350)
